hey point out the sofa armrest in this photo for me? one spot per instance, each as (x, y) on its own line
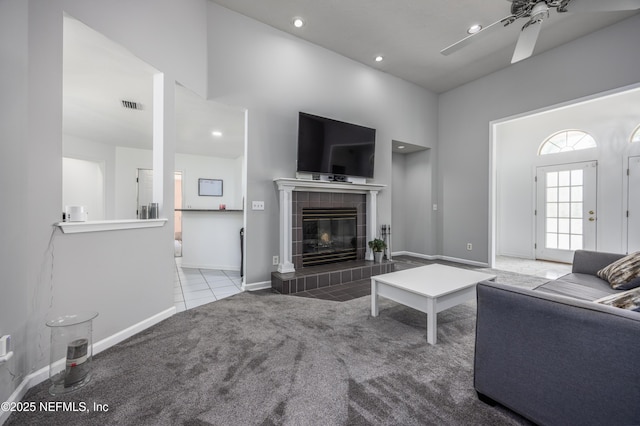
(590, 262)
(557, 360)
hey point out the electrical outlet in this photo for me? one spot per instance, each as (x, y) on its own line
(257, 205)
(469, 246)
(435, 207)
(276, 260)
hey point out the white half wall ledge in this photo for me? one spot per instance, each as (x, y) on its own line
(108, 225)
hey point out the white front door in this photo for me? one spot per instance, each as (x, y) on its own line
(633, 209)
(565, 210)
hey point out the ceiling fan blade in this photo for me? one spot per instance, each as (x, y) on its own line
(527, 41)
(476, 36)
(602, 6)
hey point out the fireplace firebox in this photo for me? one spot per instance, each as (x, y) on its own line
(329, 235)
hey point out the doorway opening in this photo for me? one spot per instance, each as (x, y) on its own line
(177, 212)
(145, 193)
(520, 215)
(633, 204)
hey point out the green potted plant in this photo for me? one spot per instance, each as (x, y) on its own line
(377, 246)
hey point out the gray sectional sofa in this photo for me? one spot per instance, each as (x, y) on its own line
(556, 357)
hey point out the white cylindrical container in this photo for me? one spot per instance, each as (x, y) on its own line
(71, 352)
(76, 213)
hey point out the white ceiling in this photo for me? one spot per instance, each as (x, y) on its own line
(411, 33)
(98, 74)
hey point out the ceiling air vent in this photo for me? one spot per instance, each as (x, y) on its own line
(131, 104)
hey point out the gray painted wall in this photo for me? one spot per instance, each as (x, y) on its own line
(413, 222)
(124, 275)
(595, 63)
(13, 116)
(274, 75)
(398, 200)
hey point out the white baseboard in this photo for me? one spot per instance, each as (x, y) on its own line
(114, 339)
(263, 285)
(527, 256)
(464, 261)
(211, 266)
(412, 254)
(440, 257)
(30, 381)
(42, 374)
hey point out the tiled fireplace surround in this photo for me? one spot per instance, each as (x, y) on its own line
(305, 199)
(313, 277)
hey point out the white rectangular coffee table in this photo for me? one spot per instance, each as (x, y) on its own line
(429, 289)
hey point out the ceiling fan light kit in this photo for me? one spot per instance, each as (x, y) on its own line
(474, 29)
(537, 11)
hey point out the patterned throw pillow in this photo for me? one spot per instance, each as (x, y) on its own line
(623, 274)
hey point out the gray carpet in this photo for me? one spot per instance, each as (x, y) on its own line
(267, 359)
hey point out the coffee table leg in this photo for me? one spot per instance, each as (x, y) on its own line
(374, 298)
(432, 322)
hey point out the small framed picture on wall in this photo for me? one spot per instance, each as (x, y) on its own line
(210, 187)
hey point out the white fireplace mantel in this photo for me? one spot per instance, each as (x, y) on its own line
(286, 186)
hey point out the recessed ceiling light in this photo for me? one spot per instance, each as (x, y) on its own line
(474, 29)
(298, 22)
(379, 58)
(217, 133)
(400, 146)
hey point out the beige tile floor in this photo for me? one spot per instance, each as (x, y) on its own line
(538, 268)
(194, 287)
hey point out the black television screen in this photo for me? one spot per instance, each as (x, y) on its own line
(332, 147)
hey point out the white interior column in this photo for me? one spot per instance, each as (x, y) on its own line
(372, 221)
(286, 255)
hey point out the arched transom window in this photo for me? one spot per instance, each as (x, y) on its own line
(567, 140)
(635, 136)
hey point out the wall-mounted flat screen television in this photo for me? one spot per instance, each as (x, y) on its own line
(332, 147)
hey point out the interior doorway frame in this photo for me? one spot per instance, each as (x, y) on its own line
(493, 166)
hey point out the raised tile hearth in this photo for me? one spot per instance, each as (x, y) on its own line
(314, 277)
(299, 195)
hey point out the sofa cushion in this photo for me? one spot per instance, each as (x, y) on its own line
(579, 286)
(623, 274)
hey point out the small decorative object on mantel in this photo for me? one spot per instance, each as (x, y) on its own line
(377, 246)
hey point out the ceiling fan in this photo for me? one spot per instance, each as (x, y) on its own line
(536, 11)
